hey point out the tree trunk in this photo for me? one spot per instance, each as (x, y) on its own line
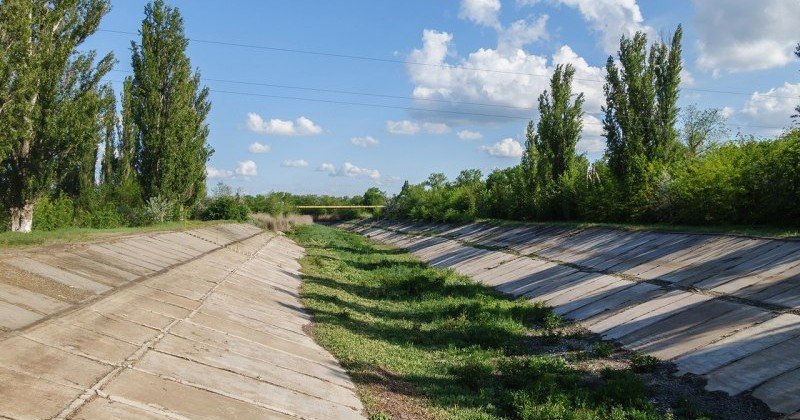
(22, 218)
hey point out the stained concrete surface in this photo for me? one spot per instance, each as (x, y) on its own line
(197, 324)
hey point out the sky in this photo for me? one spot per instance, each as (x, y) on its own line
(334, 97)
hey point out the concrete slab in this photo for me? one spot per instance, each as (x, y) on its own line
(757, 368)
(13, 317)
(57, 274)
(781, 393)
(170, 397)
(740, 344)
(34, 359)
(29, 300)
(23, 396)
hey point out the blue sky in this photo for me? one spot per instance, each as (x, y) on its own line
(267, 144)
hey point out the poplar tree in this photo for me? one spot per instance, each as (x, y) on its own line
(641, 103)
(108, 128)
(48, 95)
(559, 127)
(169, 109)
(128, 140)
(797, 53)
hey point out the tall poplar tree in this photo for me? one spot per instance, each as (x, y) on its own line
(169, 108)
(641, 103)
(559, 127)
(128, 138)
(48, 95)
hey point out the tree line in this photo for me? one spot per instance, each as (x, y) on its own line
(661, 164)
(58, 120)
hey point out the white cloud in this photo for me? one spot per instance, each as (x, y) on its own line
(326, 167)
(469, 135)
(259, 148)
(348, 169)
(611, 18)
(506, 148)
(515, 78)
(366, 141)
(521, 33)
(216, 173)
(435, 128)
(302, 126)
(482, 12)
(746, 35)
(774, 107)
(299, 163)
(247, 168)
(727, 112)
(406, 127)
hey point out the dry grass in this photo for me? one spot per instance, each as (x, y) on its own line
(280, 223)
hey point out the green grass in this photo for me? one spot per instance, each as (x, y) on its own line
(782, 232)
(73, 235)
(461, 349)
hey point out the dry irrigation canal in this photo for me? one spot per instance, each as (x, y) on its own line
(208, 323)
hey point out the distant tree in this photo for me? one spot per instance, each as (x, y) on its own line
(469, 177)
(701, 128)
(169, 109)
(559, 127)
(49, 92)
(436, 181)
(374, 197)
(641, 103)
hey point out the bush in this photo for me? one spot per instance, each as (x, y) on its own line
(226, 208)
(54, 213)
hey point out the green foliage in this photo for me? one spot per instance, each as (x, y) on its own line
(51, 96)
(226, 207)
(602, 349)
(52, 214)
(641, 104)
(641, 362)
(169, 109)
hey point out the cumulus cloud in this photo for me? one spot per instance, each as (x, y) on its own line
(482, 12)
(247, 168)
(406, 127)
(506, 148)
(259, 148)
(521, 33)
(512, 76)
(746, 35)
(366, 141)
(299, 163)
(349, 170)
(301, 126)
(216, 173)
(774, 107)
(611, 18)
(326, 167)
(469, 135)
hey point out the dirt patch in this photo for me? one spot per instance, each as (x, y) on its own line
(41, 285)
(388, 396)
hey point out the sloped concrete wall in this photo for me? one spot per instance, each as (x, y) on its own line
(725, 307)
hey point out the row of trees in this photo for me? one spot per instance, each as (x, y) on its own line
(652, 170)
(58, 118)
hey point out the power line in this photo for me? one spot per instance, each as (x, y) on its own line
(440, 111)
(418, 63)
(347, 92)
